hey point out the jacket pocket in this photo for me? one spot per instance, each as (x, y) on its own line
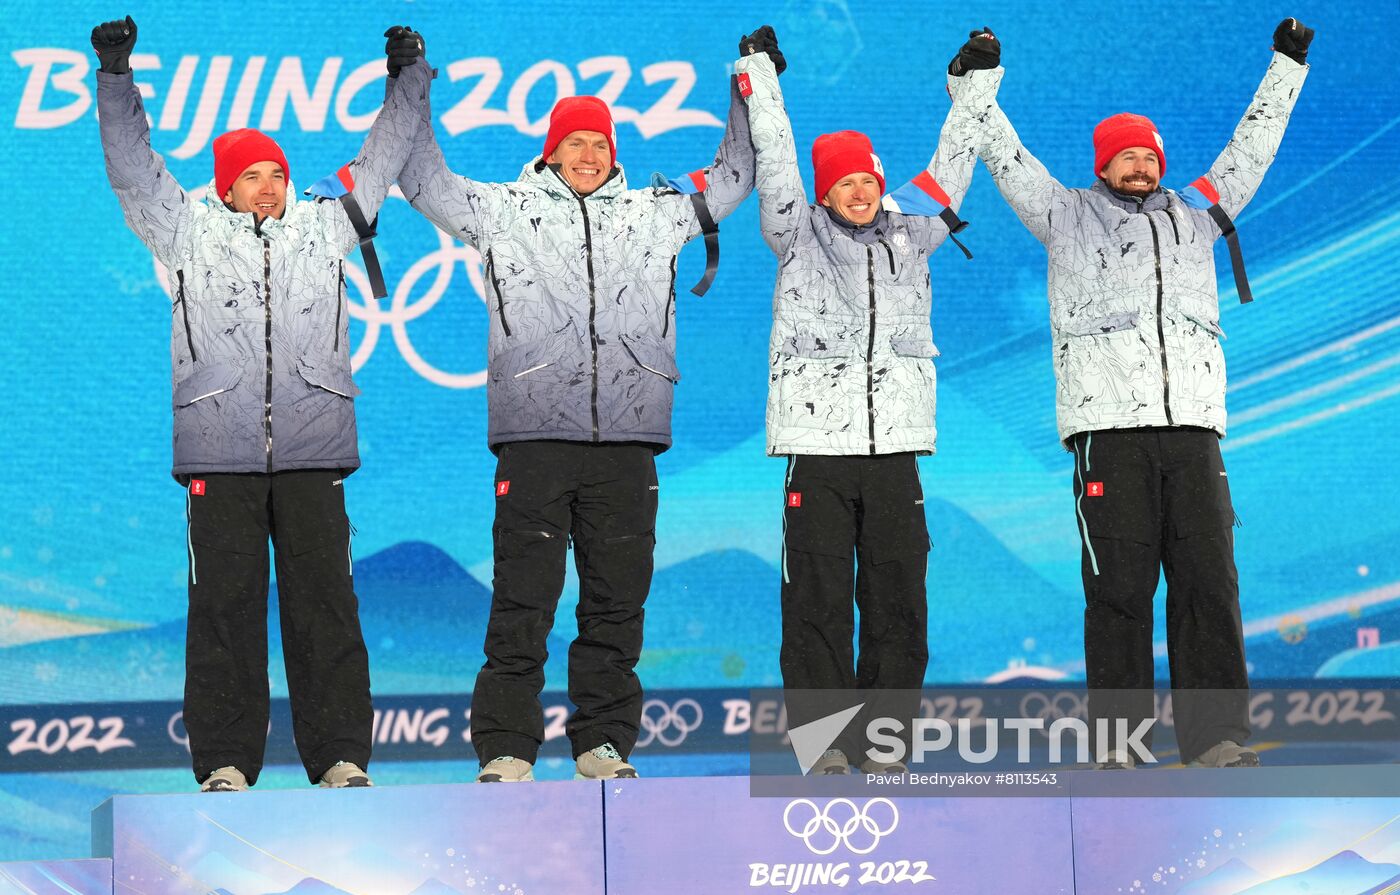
(206, 381)
(814, 346)
(1205, 314)
(913, 346)
(652, 356)
(1085, 325)
(559, 357)
(332, 379)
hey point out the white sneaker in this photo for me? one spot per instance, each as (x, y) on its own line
(603, 763)
(1226, 754)
(229, 779)
(506, 769)
(871, 766)
(832, 762)
(344, 774)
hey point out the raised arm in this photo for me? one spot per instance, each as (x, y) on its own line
(782, 199)
(391, 138)
(1020, 178)
(1237, 173)
(457, 205)
(726, 181)
(937, 192)
(156, 209)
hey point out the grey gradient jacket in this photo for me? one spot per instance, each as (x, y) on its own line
(851, 352)
(581, 289)
(259, 330)
(1134, 313)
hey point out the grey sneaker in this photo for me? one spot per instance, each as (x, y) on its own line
(343, 774)
(1226, 754)
(603, 763)
(506, 769)
(833, 761)
(229, 779)
(871, 766)
(1116, 761)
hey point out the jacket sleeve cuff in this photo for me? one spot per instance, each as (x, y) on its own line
(976, 87)
(756, 77)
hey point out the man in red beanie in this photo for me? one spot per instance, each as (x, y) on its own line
(579, 272)
(1141, 403)
(251, 173)
(851, 402)
(264, 430)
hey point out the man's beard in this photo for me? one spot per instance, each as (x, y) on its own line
(1136, 186)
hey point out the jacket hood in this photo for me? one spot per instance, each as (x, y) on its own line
(537, 173)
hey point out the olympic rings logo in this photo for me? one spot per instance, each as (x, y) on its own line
(842, 822)
(667, 724)
(1063, 704)
(440, 264)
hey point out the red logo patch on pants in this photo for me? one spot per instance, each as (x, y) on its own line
(794, 498)
(197, 487)
(745, 88)
(503, 488)
(1094, 489)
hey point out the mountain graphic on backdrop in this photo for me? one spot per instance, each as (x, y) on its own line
(705, 611)
(435, 886)
(312, 886)
(1024, 604)
(1345, 873)
(1229, 878)
(424, 619)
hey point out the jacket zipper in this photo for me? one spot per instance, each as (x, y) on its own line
(592, 310)
(496, 287)
(339, 299)
(185, 314)
(267, 345)
(1161, 332)
(666, 316)
(870, 349)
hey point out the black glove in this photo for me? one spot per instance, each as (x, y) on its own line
(403, 47)
(113, 42)
(763, 41)
(982, 50)
(1291, 38)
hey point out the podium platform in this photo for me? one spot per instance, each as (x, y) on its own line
(398, 840)
(84, 877)
(1268, 831)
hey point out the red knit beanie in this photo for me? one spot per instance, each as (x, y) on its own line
(837, 155)
(237, 151)
(1124, 131)
(580, 113)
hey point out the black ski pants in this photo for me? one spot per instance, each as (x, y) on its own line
(1151, 501)
(854, 527)
(602, 498)
(231, 517)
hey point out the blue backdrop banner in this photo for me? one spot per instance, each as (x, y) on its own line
(92, 543)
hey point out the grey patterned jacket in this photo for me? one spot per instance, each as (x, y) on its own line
(851, 352)
(1134, 315)
(582, 289)
(259, 330)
